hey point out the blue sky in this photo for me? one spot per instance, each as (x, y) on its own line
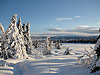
(53, 16)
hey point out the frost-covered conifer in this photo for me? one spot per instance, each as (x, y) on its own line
(47, 47)
(12, 42)
(36, 44)
(19, 26)
(0, 47)
(27, 38)
(67, 51)
(96, 61)
(2, 28)
(57, 45)
(51, 44)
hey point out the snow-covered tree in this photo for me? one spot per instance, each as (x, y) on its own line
(57, 45)
(51, 44)
(0, 50)
(19, 26)
(36, 44)
(67, 51)
(27, 38)
(47, 50)
(12, 42)
(2, 28)
(96, 61)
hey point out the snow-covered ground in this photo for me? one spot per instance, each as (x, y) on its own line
(55, 64)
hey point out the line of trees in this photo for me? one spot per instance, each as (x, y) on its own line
(76, 41)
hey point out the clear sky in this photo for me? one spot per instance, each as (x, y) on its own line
(52, 15)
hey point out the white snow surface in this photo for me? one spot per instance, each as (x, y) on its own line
(55, 64)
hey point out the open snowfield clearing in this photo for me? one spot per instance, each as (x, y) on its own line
(55, 64)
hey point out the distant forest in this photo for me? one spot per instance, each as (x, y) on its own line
(70, 39)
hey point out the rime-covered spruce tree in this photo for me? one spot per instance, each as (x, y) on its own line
(36, 44)
(12, 42)
(25, 31)
(57, 45)
(48, 46)
(96, 62)
(27, 38)
(2, 29)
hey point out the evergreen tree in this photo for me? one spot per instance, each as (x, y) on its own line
(47, 47)
(96, 63)
(57, 45)
(12, 42)
(2, 28)
(27, 38)
(19, 26)
(36, 44)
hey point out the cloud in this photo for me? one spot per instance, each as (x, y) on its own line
(63, 34)
(86, 29)
(53, 24)
(68, 18)
(83, 26)
(83, 29)
(55, 29)
(62, 19)
(99, 23)
(80, 30)
(78, 16)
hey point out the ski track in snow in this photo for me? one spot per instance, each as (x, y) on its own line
(56, 64)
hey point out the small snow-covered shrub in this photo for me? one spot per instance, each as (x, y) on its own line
(87, 58)
(36, 44)
(46, 52)
(67, 51)
(4, 63)
(57, 45)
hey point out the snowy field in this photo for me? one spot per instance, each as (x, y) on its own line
(55, 64)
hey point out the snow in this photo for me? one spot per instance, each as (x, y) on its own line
(55, 64)
(6, 70)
